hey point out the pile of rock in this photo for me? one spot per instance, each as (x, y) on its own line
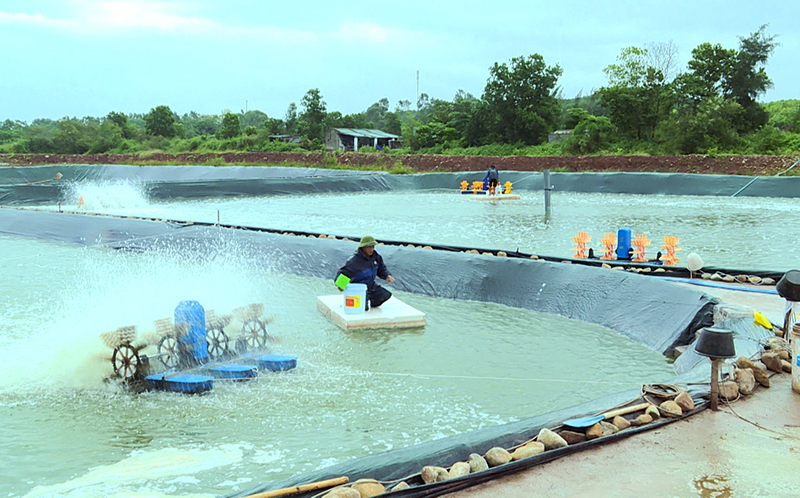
(748, 374)
(671, 408)
(545, 440)
(742, 278)
(359, 489)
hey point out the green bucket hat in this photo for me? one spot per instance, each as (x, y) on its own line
(367, 240)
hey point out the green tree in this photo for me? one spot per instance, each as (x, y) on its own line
(274, 126)
(252, 118)
(118, 118)
(206, 125)
(424, 107)
(313, 115)
(432, 134)
(591, 103)
(794, 122)
(290, 121)
(783, 113)
(180, 130)
(69, 137)
(464, 116)
(376, 112)
(107, 136)
(357, 120)
(38, 139)
(637, 96)
(574, 115)
(11, 130)
(334, 120)
(391, 123)
(49, 123)
(121, 120)
(159, 121)
(590, 135)
(738, 75)
(768, 140)
(520, 100)
(706, 129)
(230, 126)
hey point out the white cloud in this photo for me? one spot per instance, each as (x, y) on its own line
(365, 33)
(371, 35)
(102, 17)
(111, 17)
(35, 20)
(139, 14)
(114, 15)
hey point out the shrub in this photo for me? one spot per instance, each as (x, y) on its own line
(767, 140)
(399, 168)
(156, 142)
(792, 144)
(330, 160)
(19, 147)
(591, 135)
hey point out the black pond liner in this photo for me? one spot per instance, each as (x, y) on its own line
(406, 463)
(419, 488)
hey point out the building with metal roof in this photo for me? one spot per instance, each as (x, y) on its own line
(350, 139)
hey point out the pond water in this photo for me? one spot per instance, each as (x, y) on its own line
(727, 232)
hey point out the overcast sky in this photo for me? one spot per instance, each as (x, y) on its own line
(76, 58)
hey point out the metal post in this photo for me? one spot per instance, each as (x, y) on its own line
(547, 189)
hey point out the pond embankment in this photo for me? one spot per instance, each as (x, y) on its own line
(718, 165)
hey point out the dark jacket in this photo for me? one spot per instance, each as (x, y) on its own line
(491, 173)
(363, 270)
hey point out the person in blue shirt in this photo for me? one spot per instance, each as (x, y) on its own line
(363, 267)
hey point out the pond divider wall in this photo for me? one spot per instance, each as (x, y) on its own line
(37, 184)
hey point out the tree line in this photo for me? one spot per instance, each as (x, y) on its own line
(648, 106)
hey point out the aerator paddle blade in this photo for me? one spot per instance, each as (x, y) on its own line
(583, 422)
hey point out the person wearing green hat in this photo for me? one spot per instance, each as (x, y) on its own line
(362, 268)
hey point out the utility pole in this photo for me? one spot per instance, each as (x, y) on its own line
(418, 89)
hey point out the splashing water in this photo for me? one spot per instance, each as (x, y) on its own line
(100, 290)
(106, 196)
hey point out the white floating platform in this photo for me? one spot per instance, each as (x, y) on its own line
(394, 313)
(498, 197)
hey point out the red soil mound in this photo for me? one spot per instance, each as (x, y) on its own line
(727, 165)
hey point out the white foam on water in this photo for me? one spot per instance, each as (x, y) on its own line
(145, 471)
